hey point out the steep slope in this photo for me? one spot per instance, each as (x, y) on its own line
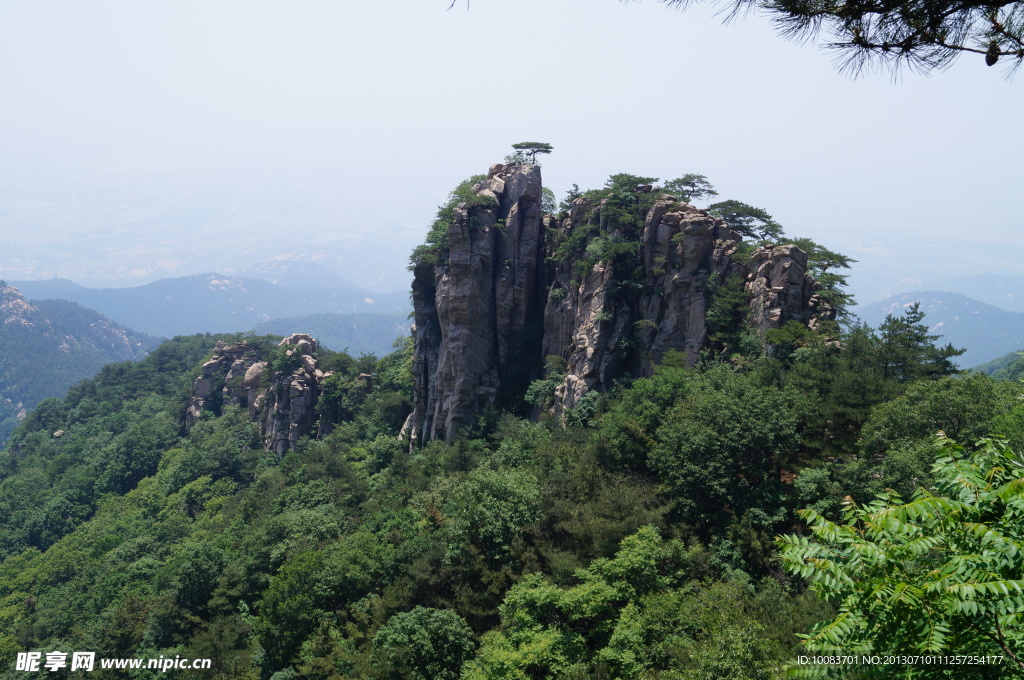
(1007, 367)
(986, 332)
(48, 345)
(599, 293)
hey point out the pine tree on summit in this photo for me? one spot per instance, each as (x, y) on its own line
(529, 149)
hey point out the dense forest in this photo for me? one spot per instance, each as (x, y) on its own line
(833, 491)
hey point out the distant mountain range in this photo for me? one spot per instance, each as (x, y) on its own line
(320, 267)
(999, 290)
(46, 346)
(356, 334)
(213, 303)
(988, 332)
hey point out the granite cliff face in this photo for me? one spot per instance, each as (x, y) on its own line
(602, 296)
(282, 402)
(473, 314)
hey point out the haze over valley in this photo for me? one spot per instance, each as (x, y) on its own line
(315, 364)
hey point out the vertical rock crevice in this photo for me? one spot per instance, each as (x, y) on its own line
(482, 299)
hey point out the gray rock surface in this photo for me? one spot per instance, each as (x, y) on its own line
(498, 307)
(472, 313)
(284, 404)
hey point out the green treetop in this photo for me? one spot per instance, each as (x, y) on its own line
(908, 352)
(746, 219)
(529, 150)
(690, 187)
(940, 575)
(893, 33)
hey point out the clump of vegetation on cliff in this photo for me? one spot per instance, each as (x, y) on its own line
(435, 249)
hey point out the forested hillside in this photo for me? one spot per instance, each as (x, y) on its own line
(605, 548)
(785, 491)
(48, 345)
(1006, 367)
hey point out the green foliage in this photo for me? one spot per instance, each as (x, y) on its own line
(824, 265)
(548, 202)
(75, 341)
(312, 584)
(541, 392)
(570, 196)
(358, 556)
(793, 342)
(689, 187)
(629, 427)
(897, 35)
(940, 574)
(639, 614)
(435, 249)
(618, 208)
(491, 509)
(529, 150)
(1009, 367)
(754, 223)
(423, 644)
(518, 158)
(908, 350)
(722, 445)
(107, 435)
(727, 314)
(963, 407)
(216, 448)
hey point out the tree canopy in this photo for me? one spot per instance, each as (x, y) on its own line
(909, 349)
(634, 541)
(746, 219)
(690, 187)
(529, 150)
(925, 36)
(940, 574)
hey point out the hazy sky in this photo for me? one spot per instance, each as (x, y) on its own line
(150, 139)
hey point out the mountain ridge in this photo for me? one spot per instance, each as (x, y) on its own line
(205, 303)
(986, 331)
(48, 345)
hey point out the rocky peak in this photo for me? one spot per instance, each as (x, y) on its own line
(14, 308)
(604, 298)
(283, 402)
(474, 312)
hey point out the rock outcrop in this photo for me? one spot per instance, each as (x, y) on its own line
(489, 316)
(282, 402)
(473, 315)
